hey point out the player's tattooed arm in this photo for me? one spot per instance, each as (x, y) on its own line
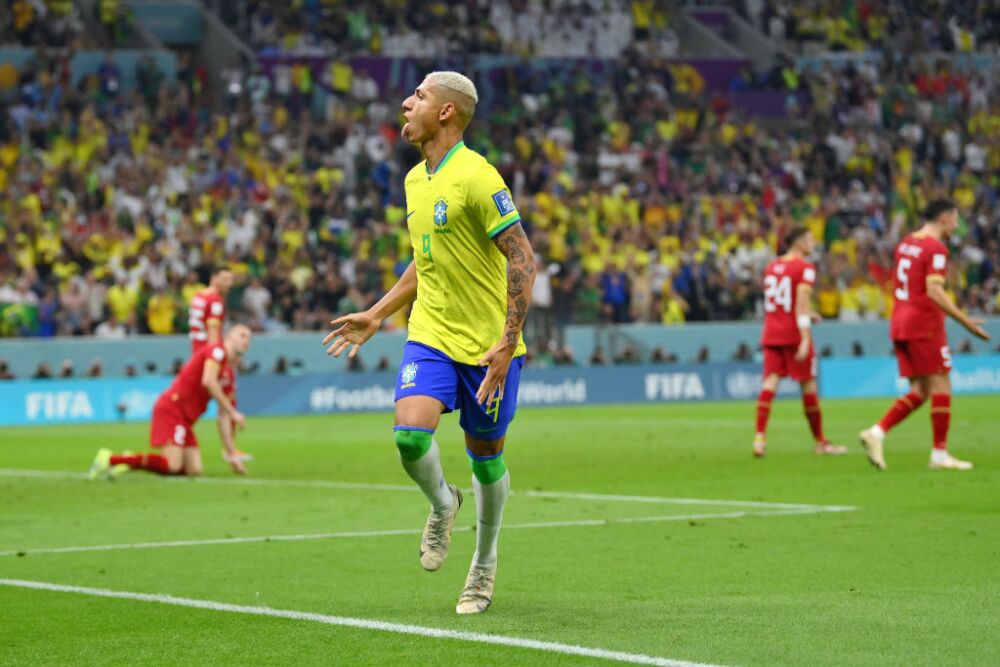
(514, 244)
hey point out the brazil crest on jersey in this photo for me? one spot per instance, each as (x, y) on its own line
(453, 215)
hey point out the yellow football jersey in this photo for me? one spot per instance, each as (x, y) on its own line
(453, 215)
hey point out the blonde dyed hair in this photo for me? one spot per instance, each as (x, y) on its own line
(460, 91)
(456, 82)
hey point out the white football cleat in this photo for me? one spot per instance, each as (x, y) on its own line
(478, 593)
(436, 540)
(948, 462)
(872, 442)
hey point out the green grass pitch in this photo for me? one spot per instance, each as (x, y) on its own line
(912, 577)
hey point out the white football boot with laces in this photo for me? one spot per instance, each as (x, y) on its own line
(478, 593)
(436, 540)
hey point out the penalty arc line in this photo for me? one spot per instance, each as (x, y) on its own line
(400, 531)
(365, 486)
(360, 623)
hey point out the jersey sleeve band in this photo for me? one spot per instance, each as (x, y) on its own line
(502, 226)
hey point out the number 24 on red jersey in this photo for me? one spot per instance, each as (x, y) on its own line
(781, 282)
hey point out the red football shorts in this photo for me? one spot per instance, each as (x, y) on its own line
(780, 360)
(922, 356)
(170, 427)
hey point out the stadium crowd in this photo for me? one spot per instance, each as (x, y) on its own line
(647, 197)
(906, 26)
(26, 23)
(57, 24)
(559, 28)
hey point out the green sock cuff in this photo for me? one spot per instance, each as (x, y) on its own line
(489, 471)
(413, 445)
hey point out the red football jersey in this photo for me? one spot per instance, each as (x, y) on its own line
(186, 391)
(919, 259)
(205, 306)
(782, 278)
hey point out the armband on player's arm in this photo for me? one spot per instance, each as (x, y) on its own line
(935, 285)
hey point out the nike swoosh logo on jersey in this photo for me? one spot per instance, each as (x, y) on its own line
(409, 214)
(480, 429)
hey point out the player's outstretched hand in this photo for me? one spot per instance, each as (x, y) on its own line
(498, 360)
(976, 328)
(353, 329)
(803, 350)
(239, 419)
(237, 465)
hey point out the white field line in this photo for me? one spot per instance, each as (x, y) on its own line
(682, 501)
(404, 531)
(365, 486)
(361, 624)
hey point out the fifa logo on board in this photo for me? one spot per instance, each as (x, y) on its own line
(674, 387)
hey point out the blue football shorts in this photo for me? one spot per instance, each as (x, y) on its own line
(425, 371)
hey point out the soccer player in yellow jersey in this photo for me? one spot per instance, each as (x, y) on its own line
(471, 281)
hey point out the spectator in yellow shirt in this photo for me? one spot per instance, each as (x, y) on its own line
(828, 299)
(851, 301)
(161, 311)
(673, 308)
(191, 286)
(122, 300)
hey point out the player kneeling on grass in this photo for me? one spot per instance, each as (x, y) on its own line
(919, 337)
(178, 408)
(787, 341)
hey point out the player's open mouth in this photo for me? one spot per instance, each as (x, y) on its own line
(406, 131)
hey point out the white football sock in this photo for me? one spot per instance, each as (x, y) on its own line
(490, 501)
(427, 473)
